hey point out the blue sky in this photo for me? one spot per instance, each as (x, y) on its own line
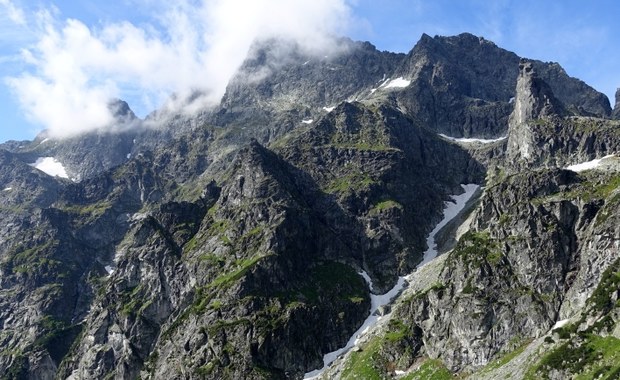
(60, 60)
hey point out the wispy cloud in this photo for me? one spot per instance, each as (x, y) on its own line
(15, 14)
(75, 69)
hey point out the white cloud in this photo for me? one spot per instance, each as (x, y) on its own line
(15, 14)
(77, 69)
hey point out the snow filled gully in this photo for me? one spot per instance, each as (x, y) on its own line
(451, 210)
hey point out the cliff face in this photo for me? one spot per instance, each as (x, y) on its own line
(542, 249)
(230, 245)
(534, 100)
(616, 110)
(541, 135)
(540, 254)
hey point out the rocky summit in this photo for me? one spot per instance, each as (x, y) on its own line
(450, 212)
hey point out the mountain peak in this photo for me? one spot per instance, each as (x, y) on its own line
(534, 98)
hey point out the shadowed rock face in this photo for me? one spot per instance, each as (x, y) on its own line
(616, 111)
(228, 244)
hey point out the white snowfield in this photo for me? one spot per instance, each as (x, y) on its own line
(588, 165)
(50, 166)
(376, 301)
(307, 121)
(328, 109)
(398, 83)
(561, 323)
(472, 140)
(451, 210)
(7, 189)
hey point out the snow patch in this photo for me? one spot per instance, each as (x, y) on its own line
(128, 155)
(376, 301)
(366, 278)
(587, 165)
(50, 166)
(385, 82)
(512, 100)
(138, 216)
(559, 324)
(328, 109)
(7, 189)
(473, 140)
(398, 83)
(372, 90)
(305, 63)
(109, 269)
(307, 121)
(451, 210)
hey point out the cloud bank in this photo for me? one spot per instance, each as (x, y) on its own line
(75, 70)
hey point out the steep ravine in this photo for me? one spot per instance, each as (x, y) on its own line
(381, 304)
(540, 251)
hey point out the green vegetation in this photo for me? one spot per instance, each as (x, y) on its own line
(213, 260)
(384, 205)
(189, 191)
(24, 260)
(132, 301)
(437, 287)
(240, 268)
(583, 124)
(504, 219)
(193, 243)
(205, 294)
(477, 247)
(18, 369)
(57, 337)
(594, 185)
(219, 227)
(227, 325)
(593, 358)
(506, 357)
(362, 145)
(609, 209)
(469, 288)
(368, 138)
(330, 282)
(541, 123)
(351, 182)
(375, 360)
(363, 364)
(601, 299)
(430, 370)
(90, 211)
(397, 331)
(206, 369)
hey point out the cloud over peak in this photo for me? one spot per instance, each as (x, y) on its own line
(74, 70)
